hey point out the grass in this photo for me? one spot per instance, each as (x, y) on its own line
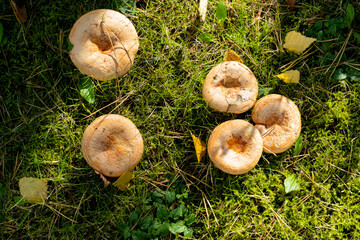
(43, 117)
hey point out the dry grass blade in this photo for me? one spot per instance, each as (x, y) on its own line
(339, 55)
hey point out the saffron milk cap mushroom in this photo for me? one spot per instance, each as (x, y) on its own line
(279, 121)
(235, 146)
(230, 87)
(105, 43)
(112, 145)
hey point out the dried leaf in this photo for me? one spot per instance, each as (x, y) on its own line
(291, 3)
(123, 181)
(203, 9)
(292, 76)
(33, 189)
(200, 147)
(296, 42)
(232, 56)
(19, 11)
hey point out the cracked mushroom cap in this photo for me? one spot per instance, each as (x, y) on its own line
(105, 43)
(230, 87)
(112, 144)
(279, 121)
(235, 146)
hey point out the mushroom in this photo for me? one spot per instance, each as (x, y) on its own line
(279, 121)
(230, 87)
(105, 43)
(235, 146)
(111, 145)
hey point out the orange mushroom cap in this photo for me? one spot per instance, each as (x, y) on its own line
(235, 146)
(105, 43)
(112, 144)
(279, 121)
(230, 87)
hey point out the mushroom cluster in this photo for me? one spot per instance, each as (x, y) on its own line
(236, 146)
(105, 43)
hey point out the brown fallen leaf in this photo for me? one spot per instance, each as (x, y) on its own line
(19, 11)
(33, 189)
(291, 3)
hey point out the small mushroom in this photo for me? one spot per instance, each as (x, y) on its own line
(112, 144)
(235, 146)
(279, 121)
(230, 87)
(105, 43)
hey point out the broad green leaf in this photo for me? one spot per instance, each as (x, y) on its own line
(263, 91)
(162, 213)
(355, 76)
(1, 32)
(339, 74)
(350, 14)
(134, 216)
(188, 232)
(221, 12)
(298, 146)
(127, 6)
(33, 189)
(146, 222)
(86, 88)
(357, 37)
(190, 219)
(139, 235)
(157, 193)
(291, 184)
(70, 46)
(206, 38)
(170, 196)
(163, 229)
(178, 212)
(127, 232)
(178, 227)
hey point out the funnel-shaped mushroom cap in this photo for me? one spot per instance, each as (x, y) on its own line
(112, 144)
(230, 87)
(279, 121)
(105, 43)
(235, 146)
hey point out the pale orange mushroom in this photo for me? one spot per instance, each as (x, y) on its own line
(105, 44)
(112, 144)
(279, 121)
(230, 87)
(235, 146)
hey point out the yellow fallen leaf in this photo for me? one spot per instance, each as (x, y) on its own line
(292, 76)
(200, 147)
(33, 189)
(296, 42)
(232, 56)
(202, 9)
(123, 182)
